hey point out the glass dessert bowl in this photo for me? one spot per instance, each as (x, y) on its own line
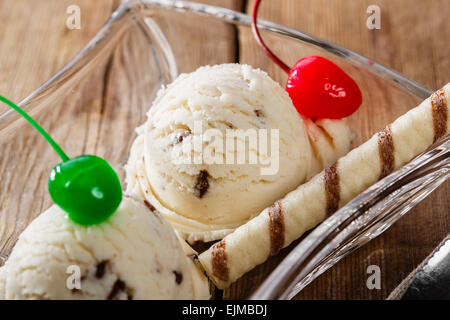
(138, 51)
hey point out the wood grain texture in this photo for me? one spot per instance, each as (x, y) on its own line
(35, 44)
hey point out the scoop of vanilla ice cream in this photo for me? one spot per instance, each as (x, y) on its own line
(192, 121)
(207, 200)
(134, 255)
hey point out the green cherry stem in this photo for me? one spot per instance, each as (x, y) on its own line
(86, 187)
(41, 130)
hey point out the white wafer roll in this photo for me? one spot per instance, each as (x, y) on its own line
(302, 209)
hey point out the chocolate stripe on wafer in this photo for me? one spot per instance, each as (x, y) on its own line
(386, 151)
(276, 228)
(332, 189)
(439, 112)
(219, 261)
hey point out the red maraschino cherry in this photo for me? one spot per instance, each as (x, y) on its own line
(318, 88)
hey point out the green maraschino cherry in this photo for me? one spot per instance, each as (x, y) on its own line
(86, 187)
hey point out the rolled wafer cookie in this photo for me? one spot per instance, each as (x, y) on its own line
(302, 209)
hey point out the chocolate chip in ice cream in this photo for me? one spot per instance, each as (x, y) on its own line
(193, 257)
(101, 269)
(150, 206)
(180, 137)
(118, 287)
(258, 113)
(202, 183)
(178, 276)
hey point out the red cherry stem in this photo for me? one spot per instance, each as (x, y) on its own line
(261, 43)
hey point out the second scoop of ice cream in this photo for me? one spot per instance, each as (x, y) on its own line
(133, 255)
(220, 145)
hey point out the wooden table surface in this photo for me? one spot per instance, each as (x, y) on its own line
(414, 36)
